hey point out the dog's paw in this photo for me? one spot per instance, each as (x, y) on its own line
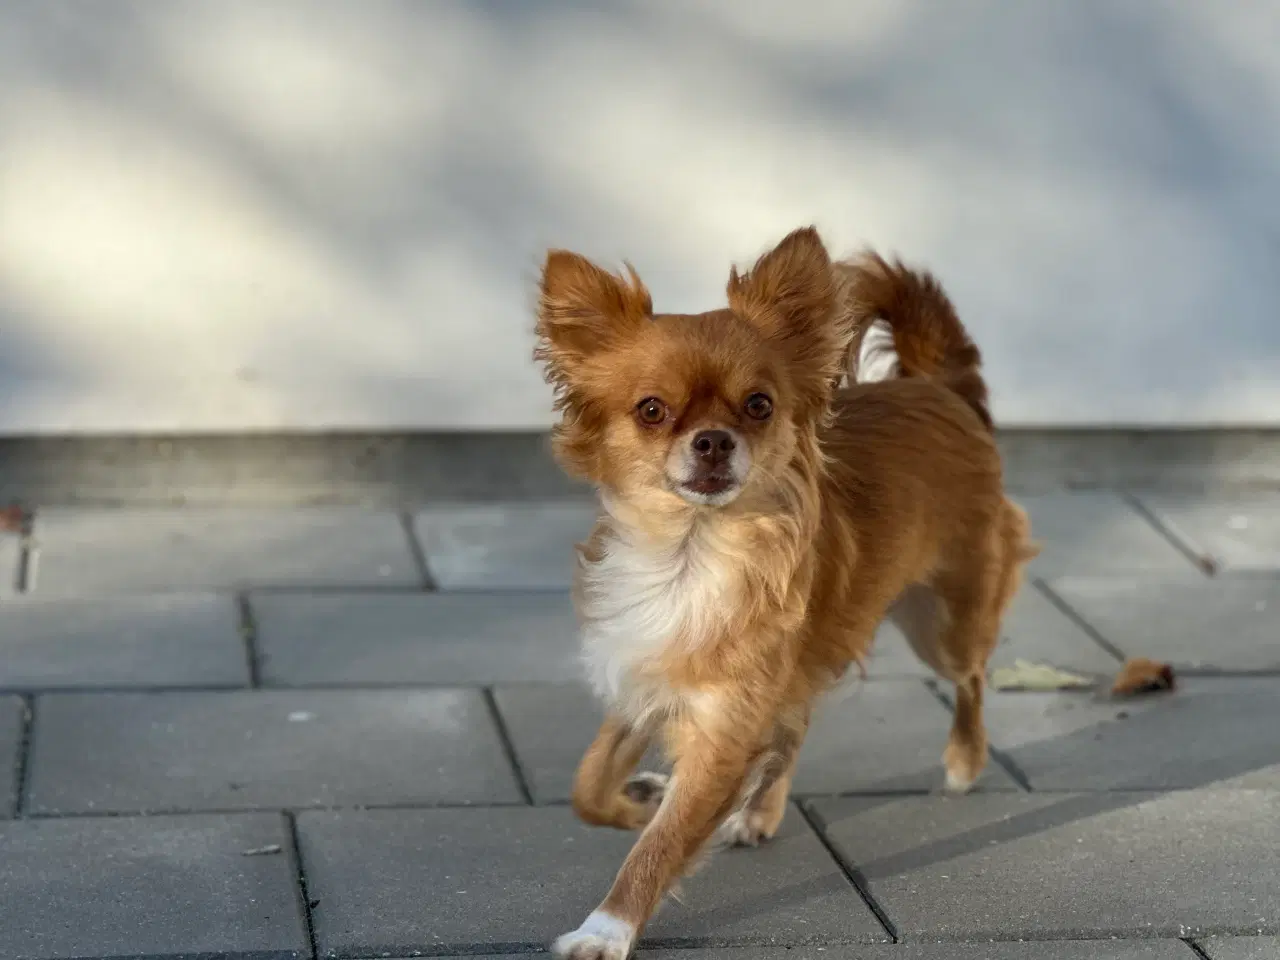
(646, 788)
(746, 828)
(963, 769)
(601, 937)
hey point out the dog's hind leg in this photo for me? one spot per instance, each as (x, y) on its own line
(764, 802)
(953, 626)
(920, 615)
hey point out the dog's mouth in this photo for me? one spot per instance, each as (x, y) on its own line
(710, 484)
(714, 488)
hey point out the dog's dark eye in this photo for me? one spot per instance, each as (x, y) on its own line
(651, 411)
(758, 407)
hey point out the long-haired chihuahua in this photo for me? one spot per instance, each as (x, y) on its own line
(758, 520)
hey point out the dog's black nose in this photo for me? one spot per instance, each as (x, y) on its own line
(713, 445)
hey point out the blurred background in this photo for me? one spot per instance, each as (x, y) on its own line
(291, 215)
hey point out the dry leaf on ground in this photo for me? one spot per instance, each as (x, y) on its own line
(1141, 675)
(1024, 675)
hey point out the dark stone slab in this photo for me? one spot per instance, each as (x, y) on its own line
(85, 551)
(504, 546)
(1006, 866)
(11, 710)
(431, 638)
(161, 640)
(1230, 625)
(1239, 533)
(1046, 950)
(1097, 532)
(880, 736)
(439, 880)
(9, 554)
(877, 736)
(1034, 629)
(551, 726)
(265, 749)
(148, 887)
(1211, 731)
(1242, 948)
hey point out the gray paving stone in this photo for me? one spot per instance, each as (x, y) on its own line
(1066, 866)
(1200, 624)
(551, 726)
(106, 550)
(155, 886)
(10, 744)
(1242, 948)
(880, 736)
(438, 638)
(521, 546)
(169, 640)
(1096, 532)
(1240, 533)
(1209, 731)
(1046, 950)
(872, 737)
(264, 749)
(400, 881)
(9, 551)
(1034, 629)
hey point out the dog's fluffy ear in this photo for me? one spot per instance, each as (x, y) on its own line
(582, 310)
(790, 296)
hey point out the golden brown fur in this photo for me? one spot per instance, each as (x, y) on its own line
(744, 559)
(929, 337)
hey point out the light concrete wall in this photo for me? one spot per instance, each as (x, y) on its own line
(273, 214)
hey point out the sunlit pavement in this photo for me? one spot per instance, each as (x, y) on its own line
(328, 731)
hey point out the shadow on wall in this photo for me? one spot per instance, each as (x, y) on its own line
(291, 214)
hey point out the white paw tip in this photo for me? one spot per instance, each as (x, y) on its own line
(601, 937)
(741, 829)
(958, 783)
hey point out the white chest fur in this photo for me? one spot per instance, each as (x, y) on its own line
(640, 598)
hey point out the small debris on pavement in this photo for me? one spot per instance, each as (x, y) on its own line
(1024, 675)
(1208, 564)
(266, 851)
(12, 518)
(1141, 675)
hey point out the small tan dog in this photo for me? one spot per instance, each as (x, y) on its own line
(757, 524)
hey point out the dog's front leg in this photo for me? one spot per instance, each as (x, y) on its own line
(603, 796)
(712, 760)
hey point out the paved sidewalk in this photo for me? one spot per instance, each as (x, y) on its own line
(331, 732)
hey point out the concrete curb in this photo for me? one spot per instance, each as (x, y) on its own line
(408, 468)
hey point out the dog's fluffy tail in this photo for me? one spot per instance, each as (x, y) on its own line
(907, 327)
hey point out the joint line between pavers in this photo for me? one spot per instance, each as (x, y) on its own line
(136, 812)
(851, 873)
(508, 746)
(304, 894)
(1205, 563)
(22, 766)
(1002, 759)
(247, 625)
(1070, 613)
(419, 553)
(24, 575)
(410, 807)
